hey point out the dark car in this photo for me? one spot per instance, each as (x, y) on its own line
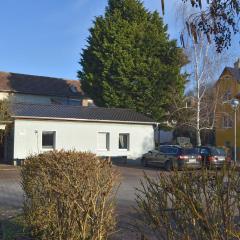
(172, 156)
(213, 156)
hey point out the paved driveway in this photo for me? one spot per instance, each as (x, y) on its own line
(130, 180)
(11, 195)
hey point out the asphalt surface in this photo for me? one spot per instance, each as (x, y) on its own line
(11, 196)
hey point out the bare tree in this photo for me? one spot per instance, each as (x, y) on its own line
(218, 19)
(190, 205)
(198, 109)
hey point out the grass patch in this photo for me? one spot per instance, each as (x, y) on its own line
(14, 229)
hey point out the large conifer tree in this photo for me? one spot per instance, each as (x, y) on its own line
(130, 62)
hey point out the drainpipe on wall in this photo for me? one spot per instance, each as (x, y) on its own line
(157, 139)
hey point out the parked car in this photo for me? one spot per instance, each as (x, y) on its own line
(172, 156)
(213, 156)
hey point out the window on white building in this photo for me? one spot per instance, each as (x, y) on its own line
(48, 139)
(227, 122)
(124, 141)
(103, 141)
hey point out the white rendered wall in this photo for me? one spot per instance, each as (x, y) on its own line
(81, 136)
(28, 98)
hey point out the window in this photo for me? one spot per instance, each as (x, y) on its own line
(204, 151)
(227, 144)
(66, 101)
(162, 149)
(227, 122)
(124, 141)
(218, 151)
(103, 141)
(48, 140)
(227, 95)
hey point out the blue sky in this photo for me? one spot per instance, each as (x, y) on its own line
(46, 37)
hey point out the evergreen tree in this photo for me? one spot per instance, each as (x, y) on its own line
(130, 62)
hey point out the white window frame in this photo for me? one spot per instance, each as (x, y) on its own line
(54, 140)
(227, 95)
(107, 141)
(227, 122)
(128, 142)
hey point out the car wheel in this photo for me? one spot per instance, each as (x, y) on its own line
(168, 165)
(144, 162)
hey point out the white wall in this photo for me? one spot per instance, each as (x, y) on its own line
(81, 136)
(28, 98)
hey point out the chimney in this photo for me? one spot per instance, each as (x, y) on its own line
(237, 64)
(86, 102)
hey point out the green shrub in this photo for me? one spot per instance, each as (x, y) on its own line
(190, 205)
(69, 195)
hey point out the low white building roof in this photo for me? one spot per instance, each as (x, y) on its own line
(78, 113)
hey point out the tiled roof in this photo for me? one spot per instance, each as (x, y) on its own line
(39, 85)
(67, 112)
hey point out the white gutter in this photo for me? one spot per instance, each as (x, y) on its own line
(83, 120)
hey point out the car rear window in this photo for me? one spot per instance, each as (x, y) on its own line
(218, 151)
(169, 149)
(188, 151)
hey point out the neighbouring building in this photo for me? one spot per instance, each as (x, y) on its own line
(227, 88)
(108, 132)
(41, 90)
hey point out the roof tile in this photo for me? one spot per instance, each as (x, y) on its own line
(39, 85)
(77, 113)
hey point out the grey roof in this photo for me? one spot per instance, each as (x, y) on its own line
(67, 112)
(39, 85)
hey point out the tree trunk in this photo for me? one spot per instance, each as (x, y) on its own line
(198, 138)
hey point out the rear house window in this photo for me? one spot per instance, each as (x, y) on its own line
(48, 140)
(124, 141)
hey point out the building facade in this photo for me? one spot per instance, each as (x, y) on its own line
(41, 90)
(107, 132)
(227, 88)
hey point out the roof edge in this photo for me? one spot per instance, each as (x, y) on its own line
(44, 95)
(84, 120)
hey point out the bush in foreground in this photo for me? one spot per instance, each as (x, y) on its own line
(191, 205)
(69, 195)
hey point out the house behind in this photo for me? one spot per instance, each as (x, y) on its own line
(227, 88)
(41, 90)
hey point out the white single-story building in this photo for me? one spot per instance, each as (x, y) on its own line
(106, 132)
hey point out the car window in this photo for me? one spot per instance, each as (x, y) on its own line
(174, 150)
(188, 151)
(204, 151)
(167, 150)
(162, 149)
(218, 151)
